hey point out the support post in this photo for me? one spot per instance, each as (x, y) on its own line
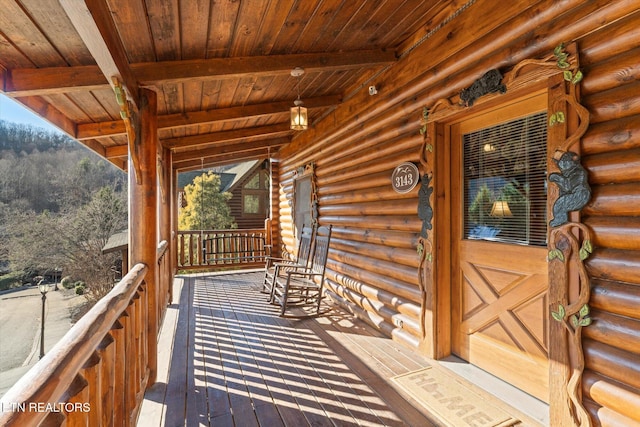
(143, 213)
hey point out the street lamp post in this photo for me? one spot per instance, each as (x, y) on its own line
(44, 288)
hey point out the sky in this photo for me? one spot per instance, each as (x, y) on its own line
(11, 111)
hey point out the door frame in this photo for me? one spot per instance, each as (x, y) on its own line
(566, 279)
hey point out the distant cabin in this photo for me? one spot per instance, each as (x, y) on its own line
(248, 183)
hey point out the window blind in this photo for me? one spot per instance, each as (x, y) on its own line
(505, 188)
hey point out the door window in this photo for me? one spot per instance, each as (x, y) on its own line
(505, 182)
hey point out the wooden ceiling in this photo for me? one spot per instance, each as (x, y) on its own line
(221, 69)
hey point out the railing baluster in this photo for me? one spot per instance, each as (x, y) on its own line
(107, 352)
(119, 369)
(221, 248)
(78, 395)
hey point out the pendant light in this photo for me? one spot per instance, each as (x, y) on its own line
(299, 118)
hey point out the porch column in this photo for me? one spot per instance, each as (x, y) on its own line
(143, 208)
(165, 225)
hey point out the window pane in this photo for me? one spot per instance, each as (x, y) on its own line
(505, 182)
(253, 183)
(251, 204)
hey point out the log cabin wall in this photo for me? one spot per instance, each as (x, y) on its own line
(611, 154)
(373, 264)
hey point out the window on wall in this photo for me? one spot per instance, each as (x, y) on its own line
(302, 204)
(255, 194)
(505, 182)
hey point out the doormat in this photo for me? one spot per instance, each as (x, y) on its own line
(451, 402)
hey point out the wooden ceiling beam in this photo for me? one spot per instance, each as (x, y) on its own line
(45, 81)
(93, 22)
(223, 159)
(116, 151)
(48, 81)
(210, 139)
(170, 121)
(152, 73)
(238, 147)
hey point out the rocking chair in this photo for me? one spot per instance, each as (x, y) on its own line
(303, 286)
(273, 265)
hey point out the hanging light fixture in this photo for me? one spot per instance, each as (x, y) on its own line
(299, 118)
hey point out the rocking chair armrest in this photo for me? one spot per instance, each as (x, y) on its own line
(269, 260)
(301, 274)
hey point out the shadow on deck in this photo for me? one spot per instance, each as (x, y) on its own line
(227, 359)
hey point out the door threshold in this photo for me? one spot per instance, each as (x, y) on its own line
(523, 402)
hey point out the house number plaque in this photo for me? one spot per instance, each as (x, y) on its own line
(405, 177)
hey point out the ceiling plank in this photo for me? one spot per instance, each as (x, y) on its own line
(92, 19)
(279, 129)
(47, 111)
(170, 121)
(204, 69)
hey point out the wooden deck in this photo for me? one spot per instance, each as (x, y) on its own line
(227, 359)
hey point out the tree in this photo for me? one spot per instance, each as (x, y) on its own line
(85, 236)
(72, 241)
(206, 206)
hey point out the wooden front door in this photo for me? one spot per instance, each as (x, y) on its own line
(499, 268)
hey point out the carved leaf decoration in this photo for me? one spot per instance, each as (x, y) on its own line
(556, 253)
(429, 148)
(420, 249)
(568, 75)
(583, 254)
(586, 250)
(584, 311)
(563, 64)
(557, 117)
(558, 50)
(577, 78)
(423, 129)
(559, 315)
(585, 322)
(430, 257)
(574, 321)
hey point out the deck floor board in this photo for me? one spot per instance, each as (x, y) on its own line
(235, 362)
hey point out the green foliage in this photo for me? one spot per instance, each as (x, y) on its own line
(80, 288)
(67, 282)
(11, 280)
(206, 206)
(480, 209)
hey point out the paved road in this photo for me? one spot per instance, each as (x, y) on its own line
(20, 313)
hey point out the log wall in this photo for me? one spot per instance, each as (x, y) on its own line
(373, 263)
(611, 153)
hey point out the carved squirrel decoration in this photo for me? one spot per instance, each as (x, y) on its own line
(573, 184)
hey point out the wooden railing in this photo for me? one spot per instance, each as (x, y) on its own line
(97, 373)
(222, 248)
